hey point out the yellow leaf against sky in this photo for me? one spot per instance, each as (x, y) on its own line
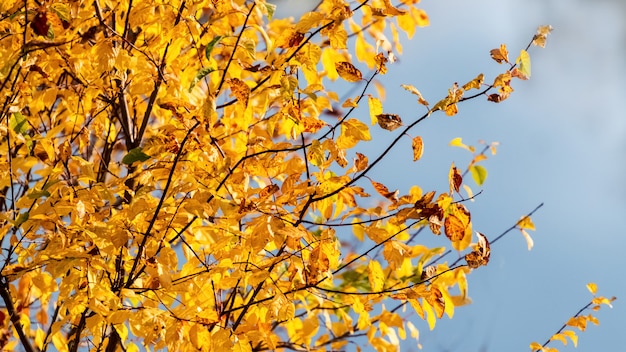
(376, 276)
(523, 62)
(352, 131)
(347, 71)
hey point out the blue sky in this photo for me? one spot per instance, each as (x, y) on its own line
(563, 143)
(563, 138)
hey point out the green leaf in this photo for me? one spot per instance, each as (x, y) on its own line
(39, 194)
(135, 155)
(62, 10)
(479, 174)
(203, 72)
(21, 219)
(211, 45)
(18, 123)
(271, 8)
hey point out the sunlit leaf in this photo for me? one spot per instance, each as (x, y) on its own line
(455, 179)
(526, 223)
(270, 8)
(592, 287)
(375, 108)
(348, 72)
(480, 255)
(352, 131)
(500, 55)
(414, 90)
(476, 83)
(203, 72)
(523, 61)
(18, 123)
(418, 148)
(479, 174)
(384, 191)
(376, 276)
(209, 48)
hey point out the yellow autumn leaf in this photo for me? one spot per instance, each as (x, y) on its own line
(476, 83)
(458, 142)
(193, 160)
(309, 20)
(375, 108)
(572, 336)
(526, 223)
(592, 287)
(414, 90)
(375, 276)
(352, 131)
(523, 61)
(391, 10)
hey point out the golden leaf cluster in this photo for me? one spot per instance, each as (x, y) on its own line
(182, 176)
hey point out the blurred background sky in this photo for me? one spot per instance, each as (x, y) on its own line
(562, 141)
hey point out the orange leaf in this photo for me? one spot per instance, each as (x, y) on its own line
(418, 148)
(381, 60)
(360, 163)
(384, 191)
(348, 72)
(518, 74)
(500, 54)
(240, 90)
(392, 11)
(268, 190)
(436, 300)
(290, 39)
(454, 228)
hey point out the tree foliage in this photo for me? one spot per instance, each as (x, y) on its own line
(183, 175)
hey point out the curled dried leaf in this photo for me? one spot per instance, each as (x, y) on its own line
(475, 83)
(542, 34)
(381, 62)
(480, 255)
(360, 163)
(435, 299)
(455, 179)
(389, 122)
(384, 191)
(500, 54)
(428, 272)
